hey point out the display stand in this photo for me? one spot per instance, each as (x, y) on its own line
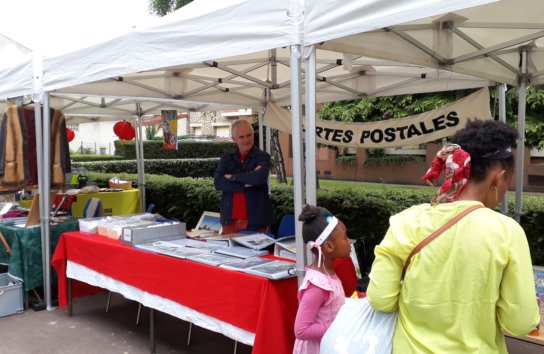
(114, 203)
(22, 251)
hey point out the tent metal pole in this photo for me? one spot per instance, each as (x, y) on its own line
(261, 137)
(137, 147)
(311, 174)
(41, 185)
(296, 109)
(501, 93)
(46, 196)
(42, 126)
(274, 80)
(268, 140)
(520, 152)
(140, 165)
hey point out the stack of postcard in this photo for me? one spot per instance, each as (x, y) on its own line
(173, 248)
(254, 241)
(243, 264)
(286, 247)
(273, 270)
(241, 252)
(214, 259)
(266, 268)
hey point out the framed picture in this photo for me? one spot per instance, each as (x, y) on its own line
(209, 221)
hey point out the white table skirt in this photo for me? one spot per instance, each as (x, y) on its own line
(89, 276)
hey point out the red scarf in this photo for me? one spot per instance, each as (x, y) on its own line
(455, 163)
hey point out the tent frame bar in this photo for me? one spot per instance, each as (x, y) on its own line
(486, 51)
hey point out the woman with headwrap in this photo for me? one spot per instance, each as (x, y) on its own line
(466, 287)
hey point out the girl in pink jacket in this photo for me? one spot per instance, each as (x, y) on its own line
(321, 294)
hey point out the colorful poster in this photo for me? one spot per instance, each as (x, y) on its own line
(169, 129)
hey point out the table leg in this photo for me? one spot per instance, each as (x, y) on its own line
(69, 281)
(189, 335)
(5, 243)
(109, 302)
(37, 295)
(152, 330)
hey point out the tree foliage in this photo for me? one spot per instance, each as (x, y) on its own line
(534, 114)
(377, 108)
(164, 7)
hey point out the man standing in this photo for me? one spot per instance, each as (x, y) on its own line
(242, 176)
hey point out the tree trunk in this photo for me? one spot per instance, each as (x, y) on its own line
(277, 157)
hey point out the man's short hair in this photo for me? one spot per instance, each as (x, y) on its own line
(235, 125)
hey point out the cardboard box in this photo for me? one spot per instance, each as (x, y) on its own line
(11, 295)
(156, 232)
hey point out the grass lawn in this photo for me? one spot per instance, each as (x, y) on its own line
(328, 184)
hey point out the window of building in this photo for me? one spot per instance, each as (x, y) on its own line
(74, 127)
(407, 150)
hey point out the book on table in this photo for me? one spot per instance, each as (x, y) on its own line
(241, 251)
(214, 259)
(273, 270)
(286, 247)
(208, 225)
(243, 264)
(223, 240)
(174, 248)
(256, 241)
(201, 233)
(210, 247)
(220, 240)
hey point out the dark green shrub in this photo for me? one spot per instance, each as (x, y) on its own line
(187, 149)
(183, 199)
(172, 167)
(87, 158)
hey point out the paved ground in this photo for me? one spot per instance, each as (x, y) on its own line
(93, 331)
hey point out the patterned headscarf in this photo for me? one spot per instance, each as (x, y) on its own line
(455, 163)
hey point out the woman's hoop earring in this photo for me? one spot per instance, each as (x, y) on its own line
(496, 194)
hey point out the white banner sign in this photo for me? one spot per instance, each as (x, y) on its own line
(408, 131)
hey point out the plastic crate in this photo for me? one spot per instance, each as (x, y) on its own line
(11, 295)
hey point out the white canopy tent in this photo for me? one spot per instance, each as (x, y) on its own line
(90, 108)
(192, 35)
(502, 41)
(254, 79)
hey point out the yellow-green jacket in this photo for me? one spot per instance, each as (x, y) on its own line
(461, 290)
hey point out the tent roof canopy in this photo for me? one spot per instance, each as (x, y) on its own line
(253, 79)
(190, 40)
(484, 41)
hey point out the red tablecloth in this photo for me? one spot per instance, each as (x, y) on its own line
(264, 307)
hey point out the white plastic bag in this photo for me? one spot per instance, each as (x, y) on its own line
(359, 329)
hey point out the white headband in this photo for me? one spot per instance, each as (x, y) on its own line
(323, 237)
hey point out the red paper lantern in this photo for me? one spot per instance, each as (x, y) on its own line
(124, 130)
(70, 134)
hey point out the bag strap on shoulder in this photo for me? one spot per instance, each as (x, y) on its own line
(437, 233)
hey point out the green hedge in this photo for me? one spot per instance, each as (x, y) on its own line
(173, 167)
(365, 212)
(93, 157)
(186, 149)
